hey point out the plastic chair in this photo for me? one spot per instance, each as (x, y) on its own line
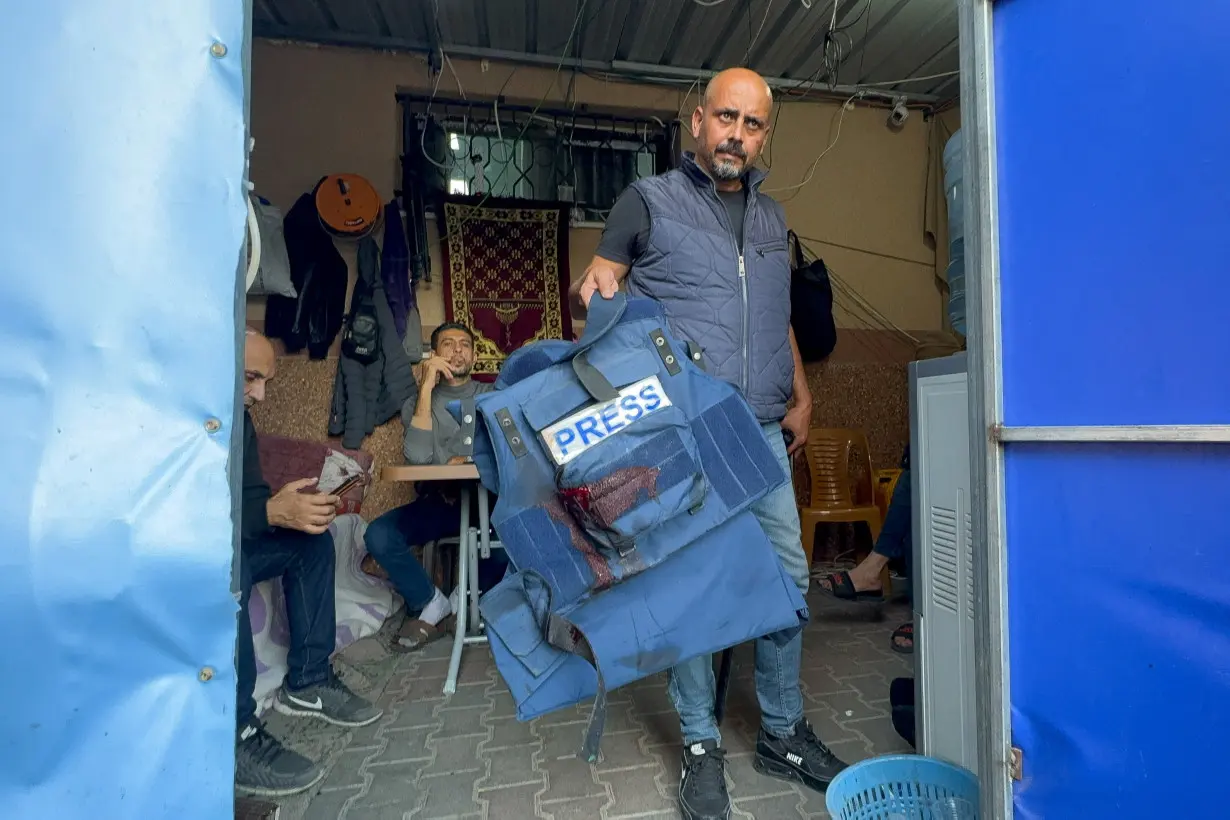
(885, 483)
(838, 494)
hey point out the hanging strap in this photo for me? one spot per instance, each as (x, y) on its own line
(793, 239)
(602, 316)
(564, 635)
(596, 384)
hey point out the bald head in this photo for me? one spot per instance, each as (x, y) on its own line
(731, 123)
(259, 364)
(720, 82)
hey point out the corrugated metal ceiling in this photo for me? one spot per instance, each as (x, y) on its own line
(883, 41)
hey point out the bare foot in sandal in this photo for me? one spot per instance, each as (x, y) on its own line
(859, 584)
(414, 633)
(433, 623)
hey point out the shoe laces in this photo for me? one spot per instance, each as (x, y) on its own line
(263, 746)
(708, 768)
(814, 749)
(334, 684)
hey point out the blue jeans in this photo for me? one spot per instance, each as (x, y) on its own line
(897, 535)
(429, 517)
(693, 688)
(305, 565)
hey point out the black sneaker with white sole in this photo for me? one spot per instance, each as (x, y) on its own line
(702, 789)
(264, 767)
(330, 701)
(801, 757)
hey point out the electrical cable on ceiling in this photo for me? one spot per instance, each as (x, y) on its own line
(882, 83)
(529, 120)
(747, 55)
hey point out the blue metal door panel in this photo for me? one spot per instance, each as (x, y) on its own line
(121, 226)
(1114, 183)
(1114, 197)
(1119, 596)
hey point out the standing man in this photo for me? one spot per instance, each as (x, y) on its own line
(711, 249)
(286, 535)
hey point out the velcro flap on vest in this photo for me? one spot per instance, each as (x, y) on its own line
(621, 369)
(517, 611)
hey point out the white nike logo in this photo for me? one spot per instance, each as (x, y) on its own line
(795, 759)
(306, 704)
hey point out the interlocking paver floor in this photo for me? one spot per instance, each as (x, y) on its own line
(467, 756)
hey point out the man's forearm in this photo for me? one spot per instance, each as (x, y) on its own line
(422, 412)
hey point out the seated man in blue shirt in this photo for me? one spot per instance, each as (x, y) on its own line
(433, 436)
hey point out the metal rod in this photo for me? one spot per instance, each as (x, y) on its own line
(681, 73)
(992, 695)
(623, 68)
(463, 581)
(1127, 433)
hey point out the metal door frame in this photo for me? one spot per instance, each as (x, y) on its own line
(985, 407)
(988, 435)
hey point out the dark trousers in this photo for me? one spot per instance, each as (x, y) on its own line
(305, 565)
(429, 517)
(896, 538)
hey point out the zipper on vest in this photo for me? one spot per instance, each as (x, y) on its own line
(745, 370)
(746, 310)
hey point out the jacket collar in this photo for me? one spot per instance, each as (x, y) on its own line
(751, 178)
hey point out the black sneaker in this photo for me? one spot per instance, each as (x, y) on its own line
(264, 767)
(702, 789)
(330, 701)
(801, 758)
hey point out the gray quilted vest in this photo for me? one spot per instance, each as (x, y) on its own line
(734, 308)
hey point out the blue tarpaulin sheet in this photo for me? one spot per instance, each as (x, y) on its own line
(121, 228)
(1114, 194)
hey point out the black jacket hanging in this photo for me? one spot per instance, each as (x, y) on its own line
(319, 273)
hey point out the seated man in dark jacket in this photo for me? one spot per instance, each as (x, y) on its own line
(286, 535)
(433, 436)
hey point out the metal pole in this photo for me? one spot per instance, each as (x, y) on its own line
(631, 70)
(1118, 434)
(986, 408)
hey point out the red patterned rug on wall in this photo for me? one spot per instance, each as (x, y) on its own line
(506, 274)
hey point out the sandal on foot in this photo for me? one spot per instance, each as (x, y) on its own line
(414, 634)
(841, 587)
(903, 639)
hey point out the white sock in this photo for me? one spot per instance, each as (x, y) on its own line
(437, 609)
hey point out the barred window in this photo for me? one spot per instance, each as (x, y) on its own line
(465, 147)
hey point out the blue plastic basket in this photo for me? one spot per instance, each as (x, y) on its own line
(903, 787)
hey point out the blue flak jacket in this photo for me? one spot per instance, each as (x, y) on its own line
(624, 474)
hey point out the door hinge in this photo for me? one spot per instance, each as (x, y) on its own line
(1016, 763)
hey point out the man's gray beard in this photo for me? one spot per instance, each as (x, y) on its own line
(726, 171)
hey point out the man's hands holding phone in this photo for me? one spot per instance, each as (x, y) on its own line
(309, 512)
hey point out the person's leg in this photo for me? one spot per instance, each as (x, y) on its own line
(703, 793)
(390, 538)
(895, 541)
(263, 766)
(786, 746)
(305, 564)
(245, 651)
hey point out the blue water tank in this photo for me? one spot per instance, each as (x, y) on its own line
(954, 166)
